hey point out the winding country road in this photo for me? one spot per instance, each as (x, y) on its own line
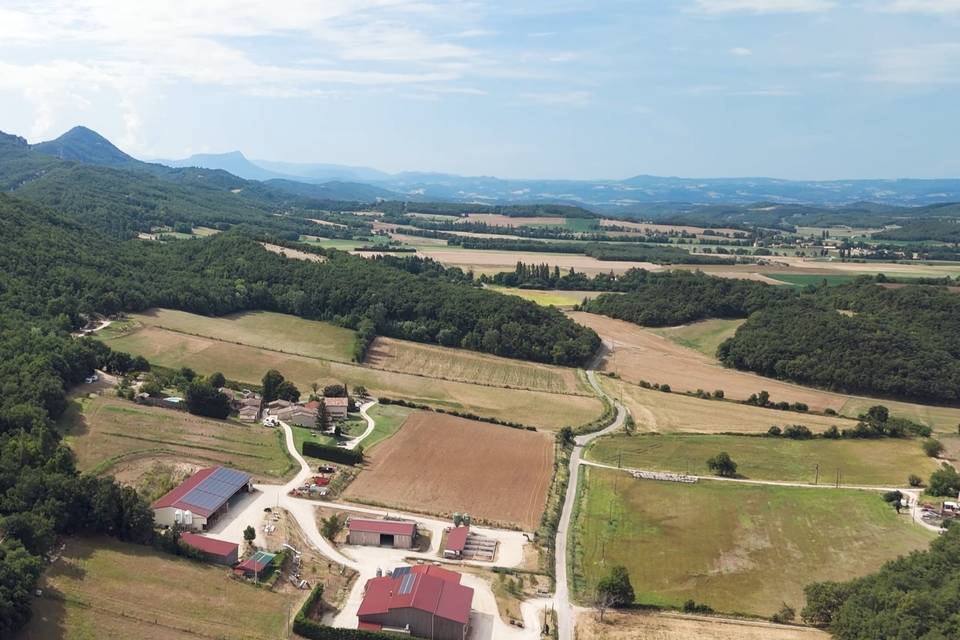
(566, 616)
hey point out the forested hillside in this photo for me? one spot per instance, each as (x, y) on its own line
(677, 297)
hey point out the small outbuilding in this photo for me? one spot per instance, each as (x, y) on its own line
(456, 542)
(381, 533)
(258, 566)
(212, 550)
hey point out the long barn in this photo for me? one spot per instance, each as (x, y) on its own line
(202, 498)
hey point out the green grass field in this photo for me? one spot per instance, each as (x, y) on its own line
(104, 589)
(301, 434)
(941, 419)
(548, 298)
(803, 280)
(861, 462)
(107, 433)
(704, 336)
(389, 419)
(737, 548)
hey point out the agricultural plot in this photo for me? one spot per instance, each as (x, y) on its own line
(104, 589)
(469, 366)
(735, 547)
(885, 463)
(704, 336)
(652, 625)
(441, 464)
(248, 364)
(673, 412)
(548, 298)
(275, 331)
(105, 432)
(498, 220)
(640, 354)
(941, 419)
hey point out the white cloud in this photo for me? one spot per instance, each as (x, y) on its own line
(923, 6)
(931, 64)
(741, 51)
(763, 6)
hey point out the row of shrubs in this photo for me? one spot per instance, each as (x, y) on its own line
(459, 414)
(304, 626)
(333, 454)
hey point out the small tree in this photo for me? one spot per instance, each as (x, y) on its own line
(629, 425)
(250, 534)
(932, 447)
(616, 587)
(321, 422)
(722, 465)
(915, 481)
(718, 394)
(216, 380)
(774, 431)
(360, 391)
(271, 381)
(331, 526)
(894, 498)
(566, 435)
(785, 615)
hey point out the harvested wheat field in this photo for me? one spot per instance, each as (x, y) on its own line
(247, 364)
(470, 366)
(640, 354)
(624, 625)
(441, 464)
(661, 412)
(293, 253)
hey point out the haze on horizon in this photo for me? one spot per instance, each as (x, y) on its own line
(803, 89)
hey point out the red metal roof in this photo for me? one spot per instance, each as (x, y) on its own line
(437, 572)
(171, 498)
(457, 539)
(389, 527)
(424, 590)
(209, 545)
(205, 491)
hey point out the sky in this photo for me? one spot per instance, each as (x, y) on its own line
(802, 89)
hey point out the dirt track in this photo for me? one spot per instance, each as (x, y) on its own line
(441, 464)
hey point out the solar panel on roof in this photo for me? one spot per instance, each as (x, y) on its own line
(407, 584)
(401, 571)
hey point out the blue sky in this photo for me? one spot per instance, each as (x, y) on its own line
(546, 89)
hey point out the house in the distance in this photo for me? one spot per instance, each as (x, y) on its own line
(337, 408)
(425, 601)
(296, 414)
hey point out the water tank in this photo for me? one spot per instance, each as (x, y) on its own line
(379, 572)
(178, 516)
(457, 518)
(465, 519)
(188, 517)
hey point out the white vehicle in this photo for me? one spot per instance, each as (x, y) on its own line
(271, 421)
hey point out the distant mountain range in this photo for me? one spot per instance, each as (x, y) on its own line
(635, 195)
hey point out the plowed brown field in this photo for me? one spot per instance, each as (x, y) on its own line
(441, 464)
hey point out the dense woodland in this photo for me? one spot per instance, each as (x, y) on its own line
(939, 229)
(916, 597)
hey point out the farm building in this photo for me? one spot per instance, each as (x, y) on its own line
(297, 414)
(381, 533)
(337, 407)
(426, 601)
(216, 551)
(248, 413)
(258, 566)
(456, 541)
(202, 498)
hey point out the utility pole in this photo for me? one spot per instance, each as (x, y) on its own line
(817, 480)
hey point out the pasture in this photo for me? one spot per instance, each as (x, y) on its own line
(248, 364)
(653, 625)
(885, 463)
(441, 464)
(470, 366)
(110, 435)
(704, 336)
(498, 220)
(673, 412)
(548, 298)
(941, 419)
(274, 331)
(104, 589)
(735, 547)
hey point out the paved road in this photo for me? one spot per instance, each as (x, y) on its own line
(565, 610)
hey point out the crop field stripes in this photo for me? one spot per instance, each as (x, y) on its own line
(188, 445)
